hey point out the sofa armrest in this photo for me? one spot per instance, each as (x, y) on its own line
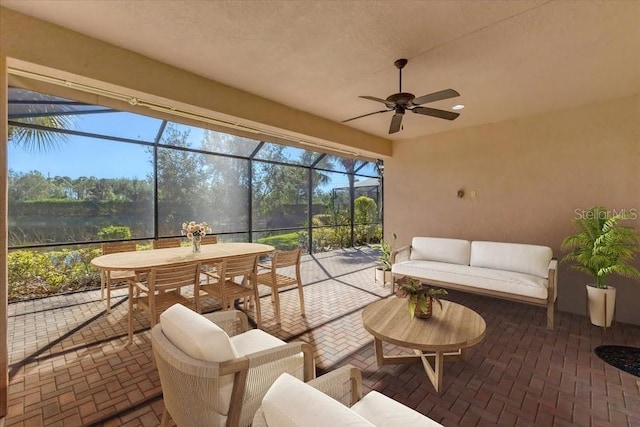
(264, 369)
(281, 353)
(552, 289)
(343, 384)
(401, 254)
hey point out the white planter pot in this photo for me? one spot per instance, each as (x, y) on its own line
(383, 276)
(602, 304)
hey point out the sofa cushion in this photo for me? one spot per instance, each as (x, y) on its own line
(383, 411)
(476, 277)
(521, 258)
(290, 403)
(453, 251)
(196, 335)
(254, 340)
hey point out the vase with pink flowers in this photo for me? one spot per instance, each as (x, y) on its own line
(194, 232)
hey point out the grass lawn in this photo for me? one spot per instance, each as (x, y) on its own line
(283, 242)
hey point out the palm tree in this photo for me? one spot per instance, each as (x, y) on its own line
(350, 166)
(35, 112)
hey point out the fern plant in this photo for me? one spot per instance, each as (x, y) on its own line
(601, 246)
(418, 294)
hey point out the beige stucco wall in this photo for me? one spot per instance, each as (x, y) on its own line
(530, 175)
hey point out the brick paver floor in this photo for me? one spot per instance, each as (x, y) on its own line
(69, 364)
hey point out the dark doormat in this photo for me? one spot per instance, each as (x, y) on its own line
(624, 358)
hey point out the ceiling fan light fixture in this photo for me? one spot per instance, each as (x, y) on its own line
(457, 107)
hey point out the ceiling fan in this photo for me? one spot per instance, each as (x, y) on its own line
(402, 101)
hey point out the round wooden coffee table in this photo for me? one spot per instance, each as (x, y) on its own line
(448, 332)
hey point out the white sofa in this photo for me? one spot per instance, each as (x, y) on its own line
(334, 399)
(513, 271)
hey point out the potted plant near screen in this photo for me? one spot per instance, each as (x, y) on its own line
(600, 247)
(383, 271)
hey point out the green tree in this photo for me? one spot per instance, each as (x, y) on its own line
(226, 182)
(349, 166)
(181, 181)
(365, 214)
(278, 190)
(32, 137)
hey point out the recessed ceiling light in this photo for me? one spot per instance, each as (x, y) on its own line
(457, 107)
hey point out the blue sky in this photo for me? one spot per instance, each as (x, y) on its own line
(85, 156)
(81, 156)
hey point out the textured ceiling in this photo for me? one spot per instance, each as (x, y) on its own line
(507, 58)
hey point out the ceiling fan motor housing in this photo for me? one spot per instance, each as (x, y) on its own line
(403, 98)
(400, 63)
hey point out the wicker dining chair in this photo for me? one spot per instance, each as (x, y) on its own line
(169, 242)
(200, 386)
(225, 286)
(163, 288)
(116, 279)
(275, 278)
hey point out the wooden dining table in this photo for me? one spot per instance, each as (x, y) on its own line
(141, 261)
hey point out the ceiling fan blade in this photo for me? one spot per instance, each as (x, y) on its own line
(396, 121)
(365, 115)
(384, 101)
(441, 114)
(435, 96)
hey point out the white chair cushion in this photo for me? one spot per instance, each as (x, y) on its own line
(196, 335)
(291, 403)
(510, 282)
(528, 259)
(453, 251)
(253, 341)
(383, 411)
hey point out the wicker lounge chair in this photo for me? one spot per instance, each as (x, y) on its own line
(224, 385)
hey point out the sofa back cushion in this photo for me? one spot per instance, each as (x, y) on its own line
(291, 403)
(518, 257)
(195, 335)
(454, 251)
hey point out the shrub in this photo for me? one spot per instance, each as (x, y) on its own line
(113, 232)
(365, 210)
(322, 219)
(32, 273)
